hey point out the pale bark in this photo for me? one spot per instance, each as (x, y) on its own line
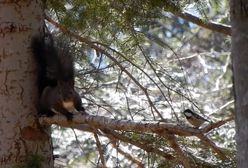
(239, 22)
(158, 127)
(161, 128)
(20, 137)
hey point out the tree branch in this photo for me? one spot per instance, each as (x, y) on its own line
(216, 125)
(160, 128)
(180, 154)
(218, 27)
(150, 148)
(98, 144)
(127, 155)
(145, 146)
(205, 140)
(126, 125)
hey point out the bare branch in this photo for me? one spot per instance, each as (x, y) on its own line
(160, 128)
(216, 124)
(218, 27)
(98, 144)
(125, 125)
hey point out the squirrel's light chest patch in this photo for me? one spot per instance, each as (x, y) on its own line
(69, 105)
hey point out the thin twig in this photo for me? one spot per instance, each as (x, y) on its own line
(127, 155)
(142, 145)
(98, 144)
(216, 125)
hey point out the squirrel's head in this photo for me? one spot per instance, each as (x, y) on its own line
(67, 91)
(68, 94)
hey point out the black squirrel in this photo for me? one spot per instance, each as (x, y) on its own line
(55, 78)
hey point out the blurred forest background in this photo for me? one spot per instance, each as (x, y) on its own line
(143, 61)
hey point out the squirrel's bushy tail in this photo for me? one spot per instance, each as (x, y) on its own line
(38, 50)
(55, 63)
(55, 77)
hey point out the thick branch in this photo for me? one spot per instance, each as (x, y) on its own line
(128, 125)
(160, 128)
(218, 27)
(125, 125)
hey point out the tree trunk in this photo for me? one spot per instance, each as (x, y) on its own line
(239, 22)
(22, 142)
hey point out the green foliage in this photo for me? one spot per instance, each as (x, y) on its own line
(108, 19)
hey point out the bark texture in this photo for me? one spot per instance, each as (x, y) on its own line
(239, 22)
(21, 140)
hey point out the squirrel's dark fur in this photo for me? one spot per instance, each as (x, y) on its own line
(55, 78)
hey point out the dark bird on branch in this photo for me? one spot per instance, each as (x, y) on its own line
(194, 118)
